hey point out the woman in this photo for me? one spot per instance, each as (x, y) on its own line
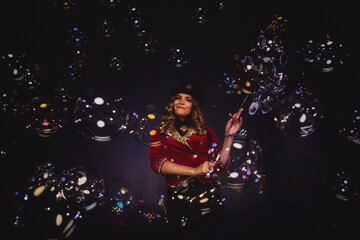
(180, 149)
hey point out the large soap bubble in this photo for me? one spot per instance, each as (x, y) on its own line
(349, 126)
(299, 114)
(177, 56)
(245, 173)
(83, 185)
(143, 123)
(122, 200)
(326, 53)
(42, 210)
(20, 74)
(99, 116)
(152, 213)
(345, 187)
(44, 116)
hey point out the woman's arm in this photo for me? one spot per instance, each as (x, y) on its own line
(232, 126)
(225, 150)
(172, 168)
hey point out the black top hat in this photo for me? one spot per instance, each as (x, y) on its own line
(192, 86)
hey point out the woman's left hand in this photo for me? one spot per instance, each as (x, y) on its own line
(234, 124)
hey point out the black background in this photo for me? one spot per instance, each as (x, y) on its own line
(298, 202)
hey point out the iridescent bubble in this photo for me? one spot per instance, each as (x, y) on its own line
(21, 75)
(143, 123)
(349, 126)
(78, 58)
(299, 114)
(220, 5)
(63, 96)
(267, 46)
(83, 185)
(46, 217)
(116, 63)
(177, 56)
(200, 15)
(325, 54)
(152, 213)
(68, 5)
(41, 207)
(72, 73)
(9, 101)
(245, 75)
(192, 198)
(254, 106)
(122, 201)
(277, 26)
(99, 116)
(105, 27)
(43, 116)
(227, 85)
(110, 3)
(135, 17)
(344, 187)
(245, 173)
(146, 41)
(75, 38)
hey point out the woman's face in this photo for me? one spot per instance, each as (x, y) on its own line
(182, 105)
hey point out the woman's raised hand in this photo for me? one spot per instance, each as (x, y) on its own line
(234, 123)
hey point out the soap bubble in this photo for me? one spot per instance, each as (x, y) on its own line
(227, 85)
(200, 15)
(345, 187)
(84, 186)
(99, 116)
(245, 75)
(326, 53)
(44, 116)
(116, 63)
(246, 172)
(19, 74)
(42, 211)
(122, 202)
(143, 123)
(299, 114)
(135, 17)
(146, 41)
(177, 56)
(105, 27)
(349, 126)
(9, 101)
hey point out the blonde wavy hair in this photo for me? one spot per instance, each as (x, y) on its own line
(168, 118)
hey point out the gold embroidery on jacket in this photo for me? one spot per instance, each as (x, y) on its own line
(155, 144)
(182, 139)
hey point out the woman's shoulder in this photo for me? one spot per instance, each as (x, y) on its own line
(208, 128)
(155, 135)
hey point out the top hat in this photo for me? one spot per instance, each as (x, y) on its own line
(192, 86)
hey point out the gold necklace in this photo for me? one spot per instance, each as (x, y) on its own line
(184, 128)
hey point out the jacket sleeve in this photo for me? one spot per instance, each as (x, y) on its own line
(156, 155)
(214, 149)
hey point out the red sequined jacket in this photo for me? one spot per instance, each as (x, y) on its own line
(189, 150)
